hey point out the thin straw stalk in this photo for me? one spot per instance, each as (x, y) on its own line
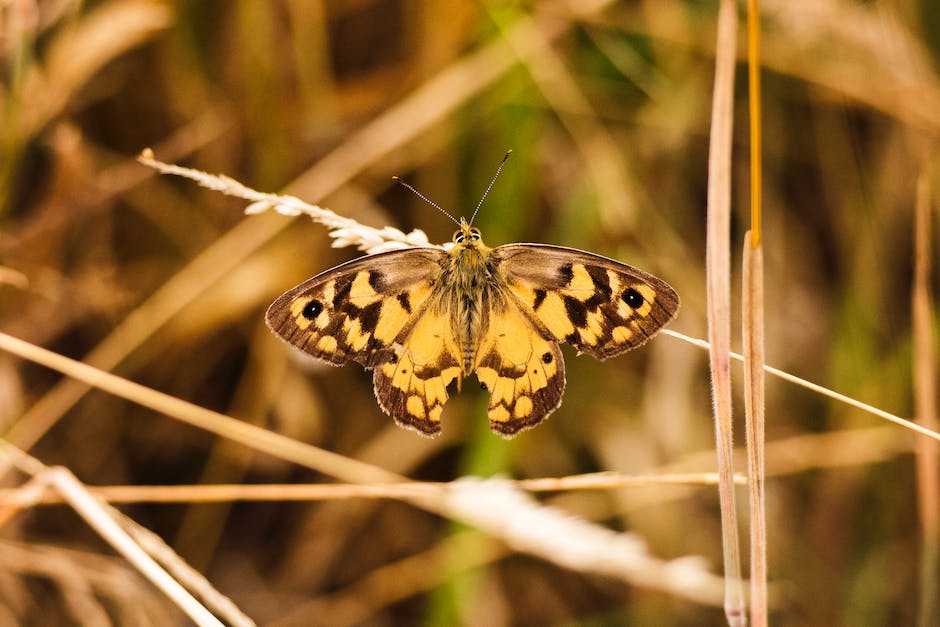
(718, 273)
(752, 320)
(925, 409)
(753, 340)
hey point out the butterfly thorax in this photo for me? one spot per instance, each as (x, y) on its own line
(469, 282)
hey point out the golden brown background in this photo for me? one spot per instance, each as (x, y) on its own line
(606, 106)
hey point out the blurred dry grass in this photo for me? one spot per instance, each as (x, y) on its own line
(607, 108)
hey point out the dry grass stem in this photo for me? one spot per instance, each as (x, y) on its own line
(344, 231)
(104, 521)
(575, 543)
(753, 342)
(92, 582)
(752, 323)
(925, 405)
(254, 437)
(182, 572)
(718, 290)
(77, 53)
(202, 493)
(492, 505)
(809, 385)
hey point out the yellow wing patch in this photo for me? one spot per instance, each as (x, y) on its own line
(412, 386)
(601, 307)
(355, 311)
(523, 371)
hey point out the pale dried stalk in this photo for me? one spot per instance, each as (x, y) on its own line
(925, 409)
(873, 51)
(718, 278)
(104, 521)
(75, 54)
(492, 506)
(102, 582)
(752, 320)
(216, 493)
(809, 385)
(753, 340)
(182, 572)
(575, 543)
(344, 231)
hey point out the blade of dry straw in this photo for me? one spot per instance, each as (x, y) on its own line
(753, 340)
(925, 409)
(718, 273)
(101, 518)
(215, 493)
(493, 506)
(815, 387)
(752, 320)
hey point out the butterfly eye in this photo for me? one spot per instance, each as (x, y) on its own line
(458, 237)
(474, 234)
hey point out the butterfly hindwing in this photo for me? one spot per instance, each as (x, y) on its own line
(356, 311)
(599, 306)
(411, 386)
(520, 366)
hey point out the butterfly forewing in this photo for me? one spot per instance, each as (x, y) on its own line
(355, 311)
(599, 306)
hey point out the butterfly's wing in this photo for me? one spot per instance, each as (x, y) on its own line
(411, 386)
(519, 363)
(598, 305)
(357, 310)
(377, 311)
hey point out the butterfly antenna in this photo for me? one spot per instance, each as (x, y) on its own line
(490, 186)
(425, 199)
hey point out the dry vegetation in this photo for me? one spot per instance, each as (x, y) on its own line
(290, 508)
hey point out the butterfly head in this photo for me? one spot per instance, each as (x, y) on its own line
(467, 235)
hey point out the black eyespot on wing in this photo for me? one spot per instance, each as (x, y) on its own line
(312, 309)
(547, 358)
(632, 298)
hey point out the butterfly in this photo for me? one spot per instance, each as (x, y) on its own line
(422, 318)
